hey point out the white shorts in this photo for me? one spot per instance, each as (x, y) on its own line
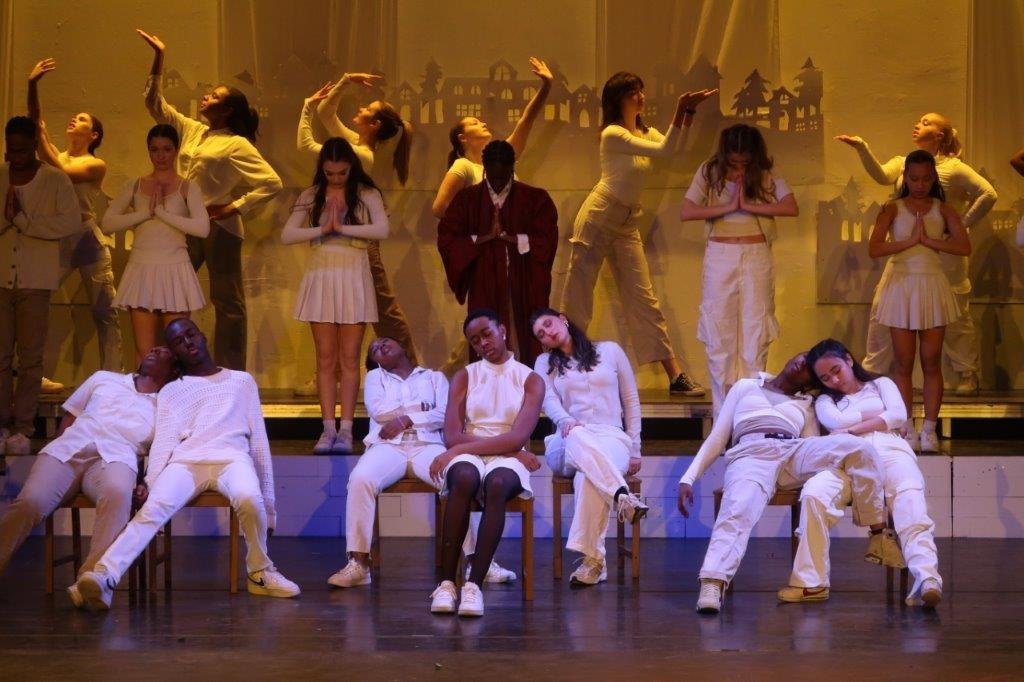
(486, 465)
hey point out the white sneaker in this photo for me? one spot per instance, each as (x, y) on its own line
(913, 440)
(931, 593)
(710, 599)
(884, 550)
(629, 507)
(18, 444)
(270, 583)
(353, 575)
(471, 602)
(307, 389)
(50, 387)
(76, 595)
(591, 571)
(342, 443)
(96, 589)
(929, 441)
(968, 384)
(324, 443)
(442, 599)
(495, 573)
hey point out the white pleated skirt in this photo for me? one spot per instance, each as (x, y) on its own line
(915, 300)
(149, 283)
(337, 287)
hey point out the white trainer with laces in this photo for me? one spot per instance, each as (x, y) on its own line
(96, 589)
(471, 601)
(270, 583)
(884, 550)
(929, 596)
(442, 599)
(929, 441)
(352, 575)
(629, 507)
(591, 571)
(710, 599)
(495, 573)
(324, 443)
(50, 387)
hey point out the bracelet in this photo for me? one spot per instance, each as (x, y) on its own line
(690, 110)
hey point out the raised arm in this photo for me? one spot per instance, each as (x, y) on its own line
(883, 174)
(327, 108)
(196, 223)
(115, 219)
(521, 133)
(47, 151)
(156, 105)
(456, 179)
(304, 139)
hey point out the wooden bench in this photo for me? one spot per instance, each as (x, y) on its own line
(564, 486)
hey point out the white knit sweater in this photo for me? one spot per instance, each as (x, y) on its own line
(213, 420)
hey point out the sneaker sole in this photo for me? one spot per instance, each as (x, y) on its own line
(75, 596)
(92, 595)
(689, 394)
(265, 592)
(466, 613)
(821, 596)
(576, 583)
(443, 610)
(708, 610)
(366, 581)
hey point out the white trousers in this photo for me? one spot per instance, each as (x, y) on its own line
(380, 466)
(737, 313)
(175, 487)
(108, 484)
(827, 493)
(596, 456)
(756, 467)
(960, 352)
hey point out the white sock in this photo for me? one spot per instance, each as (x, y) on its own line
(346, 426)
(928, 425)
(329, 426)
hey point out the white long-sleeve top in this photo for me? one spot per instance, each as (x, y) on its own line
(749, 400)
(371, 211)
(219, 161)
(162, 234)
(966, 190)
(878, 398)
(626, 159)
(422, 396)
(111, 416)
(215, 419)
(605, 395)
(30, 244)
(306, 142)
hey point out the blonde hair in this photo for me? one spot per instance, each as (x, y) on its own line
(950, 145)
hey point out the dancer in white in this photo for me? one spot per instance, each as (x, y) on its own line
(375, 126)
(107, 426)
(607, 225)
(470, 135)
(913, 298)
(83, 252)
(339, 214)
(493, 407)
(972, 196)
(738, 197)
(220, 156)
(592, 400)
(406, 405)
(40, 208)
(864, 404)
(158, 284)
(210, 435)
(770, 423)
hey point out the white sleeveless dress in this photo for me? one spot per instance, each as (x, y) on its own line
(914, 292)
(494, 397)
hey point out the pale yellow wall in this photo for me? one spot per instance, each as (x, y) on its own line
(884, 64)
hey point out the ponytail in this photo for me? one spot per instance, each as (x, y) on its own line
(458, 151)
(243, 120)
(392, 124)
(97, 127)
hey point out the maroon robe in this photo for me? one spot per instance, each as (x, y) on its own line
(493, 274)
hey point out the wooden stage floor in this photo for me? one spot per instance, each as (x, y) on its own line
(618, 630)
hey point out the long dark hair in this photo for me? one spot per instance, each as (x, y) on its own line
(830, 348)
(742, 139)
(338, 149)
(243, 120)
(165, 131)
(921, 156)
(457, 151)
(584, 352)
(392, 124)
(616, 89)
(97, 127)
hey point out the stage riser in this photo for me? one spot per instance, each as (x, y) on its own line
(967, 497)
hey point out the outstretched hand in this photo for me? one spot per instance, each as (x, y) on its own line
(154, 42)
(540, 68)
(41, 69)
(365, 79)
(690, 99)
(852, 140)
(685, 501)
(322, 93)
